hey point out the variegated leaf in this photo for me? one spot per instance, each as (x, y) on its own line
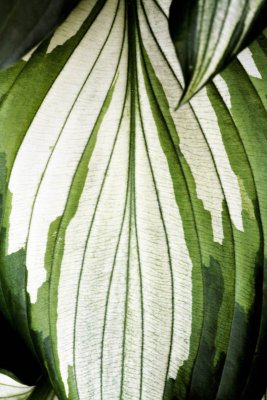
(133, 232)
(208, 34)
(12, 389)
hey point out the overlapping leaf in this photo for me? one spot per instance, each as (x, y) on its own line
(25, 23)
(11, 388)
(208, 34)
(133, 232)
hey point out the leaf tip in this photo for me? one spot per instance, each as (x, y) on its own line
(185, 98)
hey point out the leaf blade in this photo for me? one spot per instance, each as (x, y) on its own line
(26, 23)
(207, 35)
(136, 258)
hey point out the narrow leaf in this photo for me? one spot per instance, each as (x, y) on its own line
(208, 34)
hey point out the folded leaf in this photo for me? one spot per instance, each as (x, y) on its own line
(208, 34)
(133, 234)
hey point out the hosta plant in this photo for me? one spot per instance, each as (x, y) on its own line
(133, 153)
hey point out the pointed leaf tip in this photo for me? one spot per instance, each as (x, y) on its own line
(207, 35)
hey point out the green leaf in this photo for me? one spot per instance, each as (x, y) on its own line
(12, 388)
(25, 23)
(11, 345)
(133, 233)
(208, 34)
(43, 391)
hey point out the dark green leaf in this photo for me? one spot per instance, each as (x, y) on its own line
(25, 23)
(208, 34)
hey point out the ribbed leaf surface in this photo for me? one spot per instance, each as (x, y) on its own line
(133, 232)
(208, 33)
(10, 388)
